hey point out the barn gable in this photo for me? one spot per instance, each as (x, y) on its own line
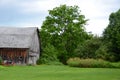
(14, 40)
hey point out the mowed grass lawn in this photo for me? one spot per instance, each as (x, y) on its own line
(52, 72)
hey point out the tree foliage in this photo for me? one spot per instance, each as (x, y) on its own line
(49, 54)
(104, 52)
(88, 48)
(112, 34)
(64, 29)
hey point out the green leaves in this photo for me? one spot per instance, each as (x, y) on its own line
(49, 54)
(112, 34)
(0, 60)
(65, 28)
(88, 48)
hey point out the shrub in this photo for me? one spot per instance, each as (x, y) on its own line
(49, 55)
(0, 60)
(116, 64)
(89, 63)
(88, 48)
(104, 53)
(74, 62)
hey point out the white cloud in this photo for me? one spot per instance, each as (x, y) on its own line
(97, 26)
(7, 2)
(26, 25)
(3, 2)
(23, 25)
(97, 11)
(38, 6)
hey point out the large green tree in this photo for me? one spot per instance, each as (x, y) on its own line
(112, 34)
(65, 28)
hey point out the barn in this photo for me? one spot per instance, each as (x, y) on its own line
(19, 45)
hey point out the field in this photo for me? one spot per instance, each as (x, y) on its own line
(51, 72)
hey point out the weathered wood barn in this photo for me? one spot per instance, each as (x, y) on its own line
(19, 45)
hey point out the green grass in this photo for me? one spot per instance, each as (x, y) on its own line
(52, 72)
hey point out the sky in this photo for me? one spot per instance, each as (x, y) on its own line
(31, 13)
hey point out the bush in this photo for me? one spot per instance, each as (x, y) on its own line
(116, 64)
(89, 63)
(104, 53)
(74, 62)
(0, 60)
(88, 48)
(49, 55)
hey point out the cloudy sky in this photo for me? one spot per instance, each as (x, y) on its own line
(31, 13)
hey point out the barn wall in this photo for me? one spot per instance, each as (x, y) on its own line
(34, 51)
(14, 55)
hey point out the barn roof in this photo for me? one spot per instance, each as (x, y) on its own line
(16, 37)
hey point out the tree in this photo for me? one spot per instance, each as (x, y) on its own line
(104, 52)
(112, 34)
(65, 26)
(88, 48)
